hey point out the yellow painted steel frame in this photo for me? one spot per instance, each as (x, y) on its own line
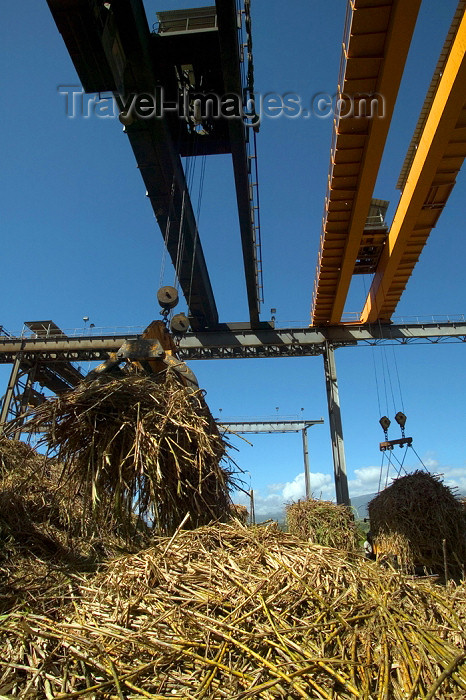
(380, 36)
(156, 331)
(439, 156)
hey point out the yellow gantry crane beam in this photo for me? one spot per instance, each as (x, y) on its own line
(376, 42)
(436, 160)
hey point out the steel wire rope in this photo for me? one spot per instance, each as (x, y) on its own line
(389, 464)
(402, 462)
(180, 241)
(196, 233)
(189, 171)
(373, 356)
(180, 245)
(379, 324)
(176, 278)
(419, 458)
(398, 379)
(384, 378)
(385, 357)
(381, 472)
(397, 376)
(389, 378)
(171, 213)
(170, 216)
(167, 233)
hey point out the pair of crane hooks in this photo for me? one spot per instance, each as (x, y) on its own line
(168, 298)
(385, 422)
(388, 445)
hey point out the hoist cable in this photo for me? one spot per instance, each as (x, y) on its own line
(389, 375)
(376, 380)
(374, 364)
(201, 187)
(381, 472)
(191, 169)
(419, 459)
(167, 233)
(388, 378)
(402, 462)
(384, 384)
(196, 235)
(388, 467)
(189, 172)
(179, 245)
(181, 230)
(398, 380)
(170, 218)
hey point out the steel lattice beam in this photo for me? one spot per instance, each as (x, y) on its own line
(268, 426)
(237, 343)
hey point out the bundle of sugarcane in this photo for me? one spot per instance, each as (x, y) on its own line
(419, 520)
(240, 512)
(322, 522)
(232, 612)
(141, 445)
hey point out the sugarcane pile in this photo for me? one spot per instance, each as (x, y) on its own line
(322, 522)
(226, 611)
(240, 512)
(420, 520)
(46, 533)
(140, 445)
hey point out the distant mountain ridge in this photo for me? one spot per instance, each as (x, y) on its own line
(360, 503)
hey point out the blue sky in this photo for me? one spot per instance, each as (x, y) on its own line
(79, 239)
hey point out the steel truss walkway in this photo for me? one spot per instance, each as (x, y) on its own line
(230, 342)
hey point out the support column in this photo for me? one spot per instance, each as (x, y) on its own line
(336, 428)
(23, 404)
(7, 399)
(307, 475)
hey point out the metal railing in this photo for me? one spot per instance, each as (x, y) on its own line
(82, 331)
(128, 331)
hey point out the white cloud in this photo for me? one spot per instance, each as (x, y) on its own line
(275, 487)
(323, 486)
(296, 489)
(430, 463)
(366, 481)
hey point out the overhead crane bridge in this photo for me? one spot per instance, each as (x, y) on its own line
(114, 50)
(375, 47)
